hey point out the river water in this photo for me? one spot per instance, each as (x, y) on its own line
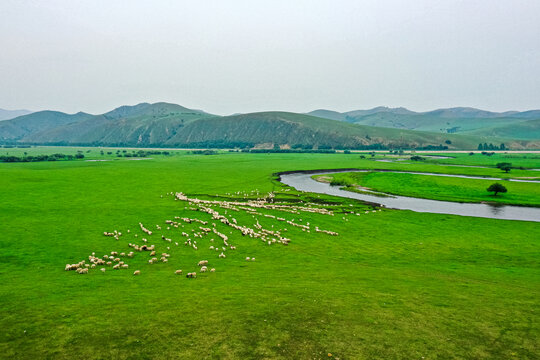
(302, 181)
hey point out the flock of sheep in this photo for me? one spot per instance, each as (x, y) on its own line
(218, 241)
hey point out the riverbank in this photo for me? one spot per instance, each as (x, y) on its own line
(303, 181)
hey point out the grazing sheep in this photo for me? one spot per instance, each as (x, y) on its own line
(248, 258)
(204, 269)
(178, 272)
(137, 272)
(191, 275)
(222, 255)
(203, 262)
(212, 270)
(252, 259)
(125, 266)
(102, 269)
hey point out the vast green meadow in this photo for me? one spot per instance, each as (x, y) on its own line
(392, 285)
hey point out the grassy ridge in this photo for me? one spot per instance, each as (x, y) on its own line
(394, 284)
(163, 124)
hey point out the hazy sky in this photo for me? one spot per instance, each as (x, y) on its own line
(227, 56)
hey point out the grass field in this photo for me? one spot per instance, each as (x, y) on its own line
(442, 188)
(391, 285)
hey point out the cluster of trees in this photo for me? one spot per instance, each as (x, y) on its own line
(490, 146)
(504, 166)
(217, 144)
(35, 158)
(133, 153)
(16, 146)
(417, 158)
(204, 152)
(319, 151)
(433, 147)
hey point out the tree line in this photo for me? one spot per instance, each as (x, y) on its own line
(36, 158)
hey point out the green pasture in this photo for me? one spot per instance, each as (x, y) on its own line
(442, 188)
(392, 285)
(529, 161)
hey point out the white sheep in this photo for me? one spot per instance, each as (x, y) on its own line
(137, 272)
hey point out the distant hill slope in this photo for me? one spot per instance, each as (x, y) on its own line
(529, 130)
(11, 114)
(164, 124)
(460, 120)
(126, 124)
(22, 126)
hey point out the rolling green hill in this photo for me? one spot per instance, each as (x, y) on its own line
(22, 126)
(459, 120)
(164, 124)
(529, 129)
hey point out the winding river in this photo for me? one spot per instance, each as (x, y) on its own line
(302, 181)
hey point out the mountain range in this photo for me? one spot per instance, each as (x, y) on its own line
(171, 125)
(459, 120)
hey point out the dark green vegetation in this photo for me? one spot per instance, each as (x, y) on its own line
(511, 124)
(393, 284)
(504, 166)
(170, 125)
(496, 189)
(32, 158)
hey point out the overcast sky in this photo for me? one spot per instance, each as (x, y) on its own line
(228, 56)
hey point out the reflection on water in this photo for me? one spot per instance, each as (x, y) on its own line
(302, 181)
(496, 209)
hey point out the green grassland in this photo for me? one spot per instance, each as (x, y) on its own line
(441, 188)
(392, 284)
(530, 161)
